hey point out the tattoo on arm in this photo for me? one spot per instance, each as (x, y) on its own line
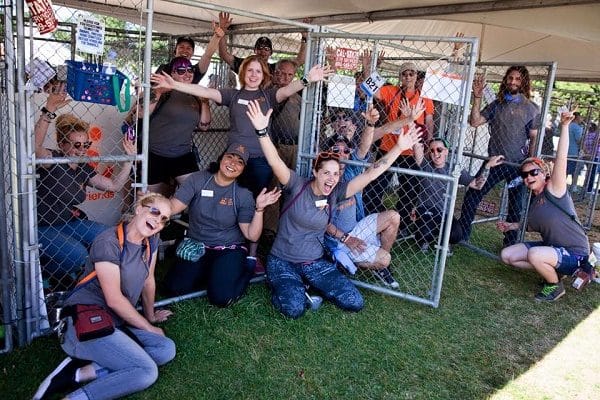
(380, 163)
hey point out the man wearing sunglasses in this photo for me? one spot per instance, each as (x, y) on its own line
(185, 47)
(263, 48)
(429, 212)
(351, 236)
(513, 119)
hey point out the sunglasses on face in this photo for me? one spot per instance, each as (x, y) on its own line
(409, 73)
(340, 150)
(183, 70)
(264, 48)
(78, 145)
(155, 212)
(531, 172)
(438, 150)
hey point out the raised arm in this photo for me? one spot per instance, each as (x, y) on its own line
(224, 23)
(211, 47)
(405, 142)
(316, 73)
(260, 122)
(253, 229)
(366, 139)
(409, 115)
(115, 184)
(299, 60)
(557, 185)
(480, 180)
(475, 118)
(165, 81)
(57, 98)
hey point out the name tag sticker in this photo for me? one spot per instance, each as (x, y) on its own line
(321, 203)
(207, 193)
(243, 102)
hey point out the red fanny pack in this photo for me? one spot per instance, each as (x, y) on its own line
(92, 322)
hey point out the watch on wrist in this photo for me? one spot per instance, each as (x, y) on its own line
(305, 81)
(48, 113)
(370, 124)
(262, 132)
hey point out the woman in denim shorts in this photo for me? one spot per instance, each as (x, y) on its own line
(564, 247)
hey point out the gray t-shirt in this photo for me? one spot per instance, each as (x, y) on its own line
(60, 188)
(215, 211)
(300, 237)
(241, 130)
(557, 228)
(510, 123)
(173, 124)
(433, 191)
(134, 266)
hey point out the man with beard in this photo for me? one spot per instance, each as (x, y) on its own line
(513, 120)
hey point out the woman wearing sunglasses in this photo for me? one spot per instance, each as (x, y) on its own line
(119, 272)
(428, 215)
(297, 253)
(223, 216)
(64, 231)
(564, 246)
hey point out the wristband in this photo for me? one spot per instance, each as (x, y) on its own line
(370, 124)
(48, 113)
(258, 210)
(305, 81)
(344, 238)
(262, 132)
(476, 97)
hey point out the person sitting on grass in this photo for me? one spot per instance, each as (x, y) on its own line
(223, 216)
(119, 271)
(297, 253)
(564, 246)
(428, 215)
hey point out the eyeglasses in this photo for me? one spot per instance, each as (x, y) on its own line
(438, 150)
(78, 145)
(264, 48)
(341, 117)
(183, 70)
(340, 150)
(155, 212)
(531, 172)
(409, 73)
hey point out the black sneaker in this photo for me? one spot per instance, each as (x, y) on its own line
(551, 292)
(385, 276)
(61, 380)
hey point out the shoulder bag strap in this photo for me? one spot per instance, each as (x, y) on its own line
(294, 199)
(572, 216)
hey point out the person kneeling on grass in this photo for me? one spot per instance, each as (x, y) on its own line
(124, 355)
(297, 253)
(564, 247)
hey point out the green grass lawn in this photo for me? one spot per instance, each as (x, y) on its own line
(487, 338)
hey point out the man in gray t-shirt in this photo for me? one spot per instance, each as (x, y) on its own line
(513, 123)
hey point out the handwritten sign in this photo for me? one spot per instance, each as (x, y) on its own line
(43, 15)
(442, 86)
(90, 35)
(346, 58)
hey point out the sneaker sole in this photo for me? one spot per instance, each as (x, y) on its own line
(46, 382)
(553, 300)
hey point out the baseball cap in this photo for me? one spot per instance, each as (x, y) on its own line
(238, 150)
(263, 41)
(408, 66)
(187, 39)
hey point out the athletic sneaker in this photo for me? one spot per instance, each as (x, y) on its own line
(385, 276)
(61, 380)
(551, 292)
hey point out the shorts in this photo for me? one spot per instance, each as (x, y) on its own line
(366, 230)
(567, 263)
(164, 169)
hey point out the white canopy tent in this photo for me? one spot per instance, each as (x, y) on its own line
(509, 31)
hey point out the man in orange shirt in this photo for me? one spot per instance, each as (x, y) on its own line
(392, 97)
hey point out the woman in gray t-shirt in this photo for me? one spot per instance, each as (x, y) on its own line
(297, 254)
(564, 247)
(120, 271)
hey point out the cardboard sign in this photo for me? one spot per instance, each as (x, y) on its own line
(42, 15)
(346, 58)
(90, 35)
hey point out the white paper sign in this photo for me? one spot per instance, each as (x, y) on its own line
(90, 35)
(372, 84)
(442, 86)
(340, 91)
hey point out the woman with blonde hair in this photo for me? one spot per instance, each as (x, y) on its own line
(63, 228)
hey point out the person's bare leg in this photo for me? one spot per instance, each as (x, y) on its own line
(388, 223)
